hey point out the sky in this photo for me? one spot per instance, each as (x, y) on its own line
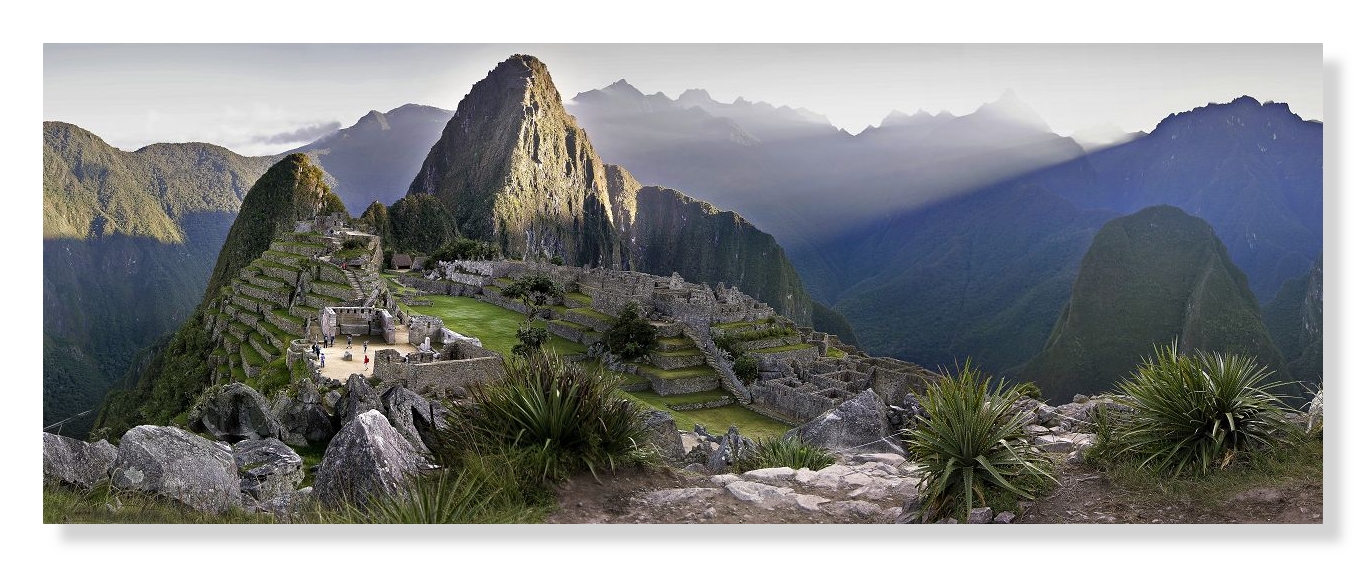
(261, 99)
(29, 27)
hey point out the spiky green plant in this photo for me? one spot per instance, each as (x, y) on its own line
(784, 451)
(471, 496)
(970, 443)
(571, 419)
(1196, 412)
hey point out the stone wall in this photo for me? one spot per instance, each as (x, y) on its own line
(444, 379)
(799, 402)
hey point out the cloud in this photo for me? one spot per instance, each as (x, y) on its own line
(302, 135)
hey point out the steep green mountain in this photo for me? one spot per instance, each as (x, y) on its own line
(129, 239)
(1149, 278)
(375, 159)
(290, 190)
(228, 335)
(1295, 320)
(514, 168)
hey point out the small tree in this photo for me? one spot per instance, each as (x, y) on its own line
(631, 336)
(534, 292)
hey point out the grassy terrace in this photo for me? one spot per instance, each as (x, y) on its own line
(689, 372)
(783, 348)
(741, 325)
(675, 342)
(284, 314)
(579, 297)
(495, 326)
(716, 420)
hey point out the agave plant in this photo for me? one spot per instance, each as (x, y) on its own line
(972, 442)
(784, 451)
(1195, 412)
(572, 419)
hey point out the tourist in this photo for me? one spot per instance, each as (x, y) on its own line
(322, 361)
(348, 340)
(366, 368)
(365, 346)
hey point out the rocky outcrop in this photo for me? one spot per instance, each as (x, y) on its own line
(368, 458)
(359, 398)
(76, 462)
(859, 425)
(304, 418)
(412, 415)
(178, 464)
(234, 412)
(664, 435)
(269, 468)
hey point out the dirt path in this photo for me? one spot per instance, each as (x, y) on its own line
(1084, 496)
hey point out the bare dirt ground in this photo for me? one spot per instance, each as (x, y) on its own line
(1084, 496)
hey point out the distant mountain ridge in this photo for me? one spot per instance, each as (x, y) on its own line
(375, 159)
(129, 239)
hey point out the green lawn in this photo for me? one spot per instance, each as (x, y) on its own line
(716, 420)
(782, 348)
(495, 326)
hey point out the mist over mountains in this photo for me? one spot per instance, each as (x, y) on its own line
(941, 237)
(937, 236)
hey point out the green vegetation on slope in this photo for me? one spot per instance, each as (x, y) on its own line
(1149, 278)
(496, 327)
(290, 190)
(1295, 321)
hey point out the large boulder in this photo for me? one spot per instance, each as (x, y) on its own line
(664, 435)
(367, 458)
(73, 461)
(233, 412)
(303, 418)
(415, 417)
(359, 398)
(859, 425)
(269, 468)
(181, 465)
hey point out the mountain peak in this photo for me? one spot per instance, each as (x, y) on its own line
(696, 97)
(1010, 108)
(623, 87)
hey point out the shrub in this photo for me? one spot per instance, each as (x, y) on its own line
(529, 340)
(785, 451)
(1195, 412)
(631, 336)
(1029, 390)
(972, 445)
(534, 292)
(565, 418)
(746, 369)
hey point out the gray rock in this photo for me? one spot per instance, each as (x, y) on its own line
(891, 459)
(233, 412)
(413, 415)
(269, 468)
(359, 398)
(730, 448)
(176, 463)
(859, 425)
(304, 419)
(771, 475)
(76, 462)
(1080, 399)
(810, 502)
(1004, 518)
(368, 458)
(980, 516)
(760, 494)
(664, 435)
